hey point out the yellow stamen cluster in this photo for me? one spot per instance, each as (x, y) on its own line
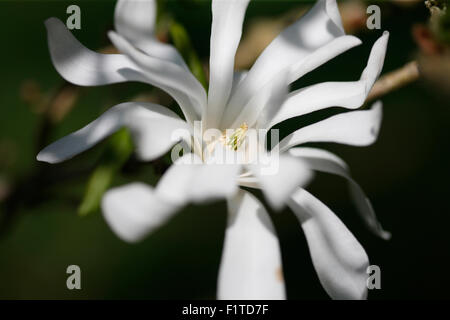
(237, 138)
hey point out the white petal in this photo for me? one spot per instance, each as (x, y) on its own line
(325, 161)
(135, 20)
(151, 126)
(136, 209)
(340, 94)
(262, 106)
(280, 177)
(133, 211)
(238, 77)
(226, 32)
(376, 61)
(338, 46)
(333, 12)
(170, 77)
(314, 39)
(320, 96)
(249, 182)
(339, 259)
(79, 65)
(189, 180)
(323, 54)
(357, 128)
(251, 261)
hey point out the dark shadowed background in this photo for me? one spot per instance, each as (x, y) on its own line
(406, 173)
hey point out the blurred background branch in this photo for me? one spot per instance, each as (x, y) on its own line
(394, 80)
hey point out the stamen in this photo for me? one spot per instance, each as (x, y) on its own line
(237, 138)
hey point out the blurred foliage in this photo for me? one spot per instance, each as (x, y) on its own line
(117, 152)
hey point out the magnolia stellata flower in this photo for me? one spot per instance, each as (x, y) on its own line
(254, 99)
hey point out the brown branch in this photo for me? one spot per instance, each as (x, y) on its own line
(394, 80)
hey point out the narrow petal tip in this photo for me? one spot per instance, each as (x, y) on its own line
(385, 235)
(118, 41)
(383, 40)
(114, 37)
(378, 106)
(112, 34)
(39, 157)
(46, 157)
(51, 21)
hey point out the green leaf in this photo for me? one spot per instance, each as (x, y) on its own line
(117, 152)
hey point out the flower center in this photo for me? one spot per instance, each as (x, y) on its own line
(235, 140)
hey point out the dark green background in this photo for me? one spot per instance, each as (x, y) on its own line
(406, 175)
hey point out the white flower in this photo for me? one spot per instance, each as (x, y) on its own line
(251, 262)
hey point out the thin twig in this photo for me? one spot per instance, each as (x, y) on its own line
(394, 80)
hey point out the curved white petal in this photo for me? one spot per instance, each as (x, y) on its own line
(132, 211)
(320, 96)
(189, 180)
(325, 161)
(376, 61)
(350, 94)
(79, 65)
(170, 77)
(251, 261)
(262, 106)
(339, 259)
(279, 177)
(357, 128)
(151, 126)
(135, 20)
(226, 32)
(314, 39)
(323, 54)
